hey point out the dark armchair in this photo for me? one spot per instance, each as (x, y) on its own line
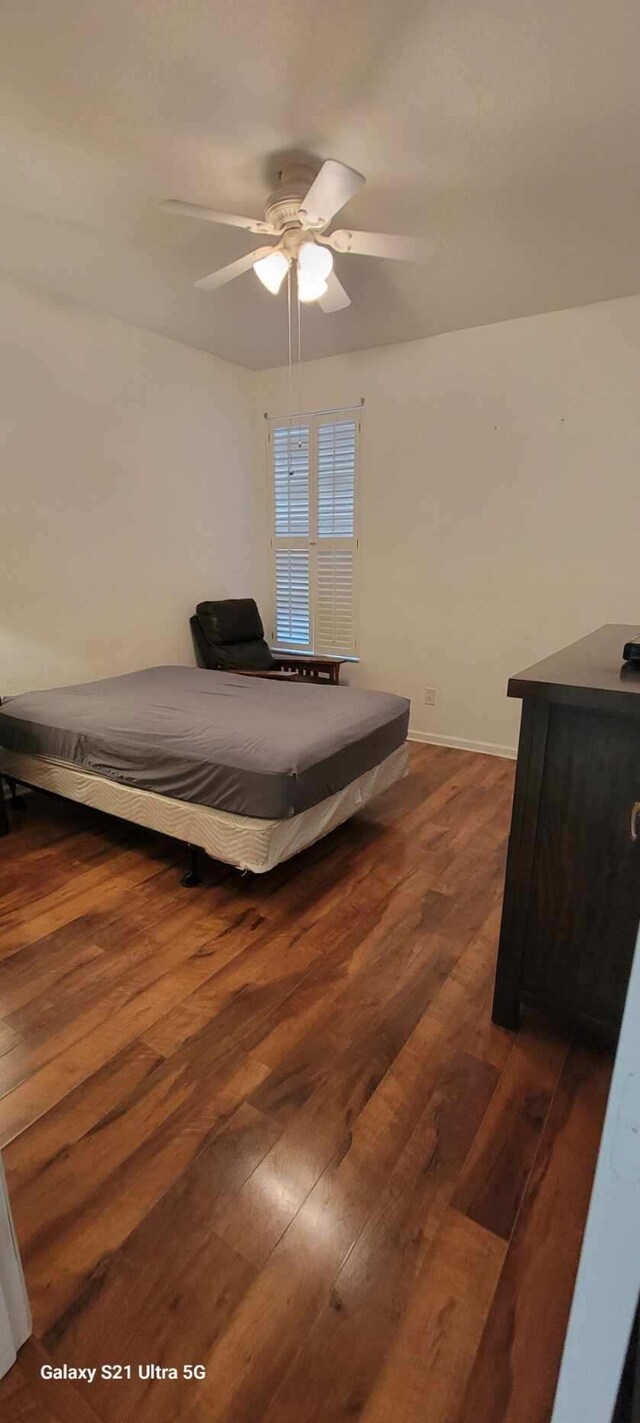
(228, 636)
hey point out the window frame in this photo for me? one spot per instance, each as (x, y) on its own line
(313, 420)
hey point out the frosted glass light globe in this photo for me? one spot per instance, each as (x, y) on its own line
(309, 288)
(314, 262)
(272, 270)
(314, 265)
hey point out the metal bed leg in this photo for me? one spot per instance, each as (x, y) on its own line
(17, 801)
(192, 876)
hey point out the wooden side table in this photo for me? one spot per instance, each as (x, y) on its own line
(315, 669)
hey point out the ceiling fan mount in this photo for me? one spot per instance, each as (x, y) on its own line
(297, 214)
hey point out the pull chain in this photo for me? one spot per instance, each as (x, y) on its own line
(299, 357)
(290, 345)
(290, 333)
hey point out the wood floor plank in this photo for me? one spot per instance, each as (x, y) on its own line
(145, 1103)
(334, 1372)
(61, 1259)
(44, 964)
(297, 1278)
(20, 927)
(256, 979)
(33, 1078)
(49, 869)
(28, 1398)
(236, 1120)
(387, 1007)
(31, 1155)
(493, 1180)
(204, 1295)
(133, 1288)
(433, 1352)
(37, 968)
(9, 1037)
(515, 1371)
(372, 973)
(485, 1040)
(287, 956)
(406, 918)
(99, 986)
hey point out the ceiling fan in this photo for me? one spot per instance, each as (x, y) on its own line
(298, 213)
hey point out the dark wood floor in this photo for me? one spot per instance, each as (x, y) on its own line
(266, 1125)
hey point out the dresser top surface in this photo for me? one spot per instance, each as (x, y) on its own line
(586, 672)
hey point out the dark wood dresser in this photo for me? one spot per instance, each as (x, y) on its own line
(572, 891)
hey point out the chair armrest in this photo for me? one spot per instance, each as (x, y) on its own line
(275, 676)
(291, 659)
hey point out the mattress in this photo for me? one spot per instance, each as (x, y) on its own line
(244, 745)
(249, 843)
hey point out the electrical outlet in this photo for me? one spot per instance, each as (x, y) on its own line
(429, 696)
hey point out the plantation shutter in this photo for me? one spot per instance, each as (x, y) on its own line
(293, 614)
(291, 480)
(313, 480)
(291, 491)
(336, 545)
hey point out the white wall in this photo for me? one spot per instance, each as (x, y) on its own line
(127, 492)
(500, 491)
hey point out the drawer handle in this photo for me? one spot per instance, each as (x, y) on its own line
(635, 812)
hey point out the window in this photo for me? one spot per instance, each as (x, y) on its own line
(313, 462)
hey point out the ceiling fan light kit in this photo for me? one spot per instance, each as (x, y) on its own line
(297, 214)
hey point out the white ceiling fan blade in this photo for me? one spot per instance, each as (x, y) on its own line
(335, 298)
(379, 244)
(230, 219)
(234, 269)
(329, 192)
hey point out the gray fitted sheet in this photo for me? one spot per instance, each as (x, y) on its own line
(243, 744)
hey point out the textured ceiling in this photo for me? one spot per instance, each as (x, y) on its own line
(506, 133)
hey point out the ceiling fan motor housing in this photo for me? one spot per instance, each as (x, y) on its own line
(283, 205)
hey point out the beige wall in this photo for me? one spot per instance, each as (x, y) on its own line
(500, 492)
(127, 478)
(500, 477)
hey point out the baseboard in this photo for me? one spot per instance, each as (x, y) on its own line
(486, 748)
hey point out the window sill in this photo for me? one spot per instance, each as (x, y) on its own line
(278, 650)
